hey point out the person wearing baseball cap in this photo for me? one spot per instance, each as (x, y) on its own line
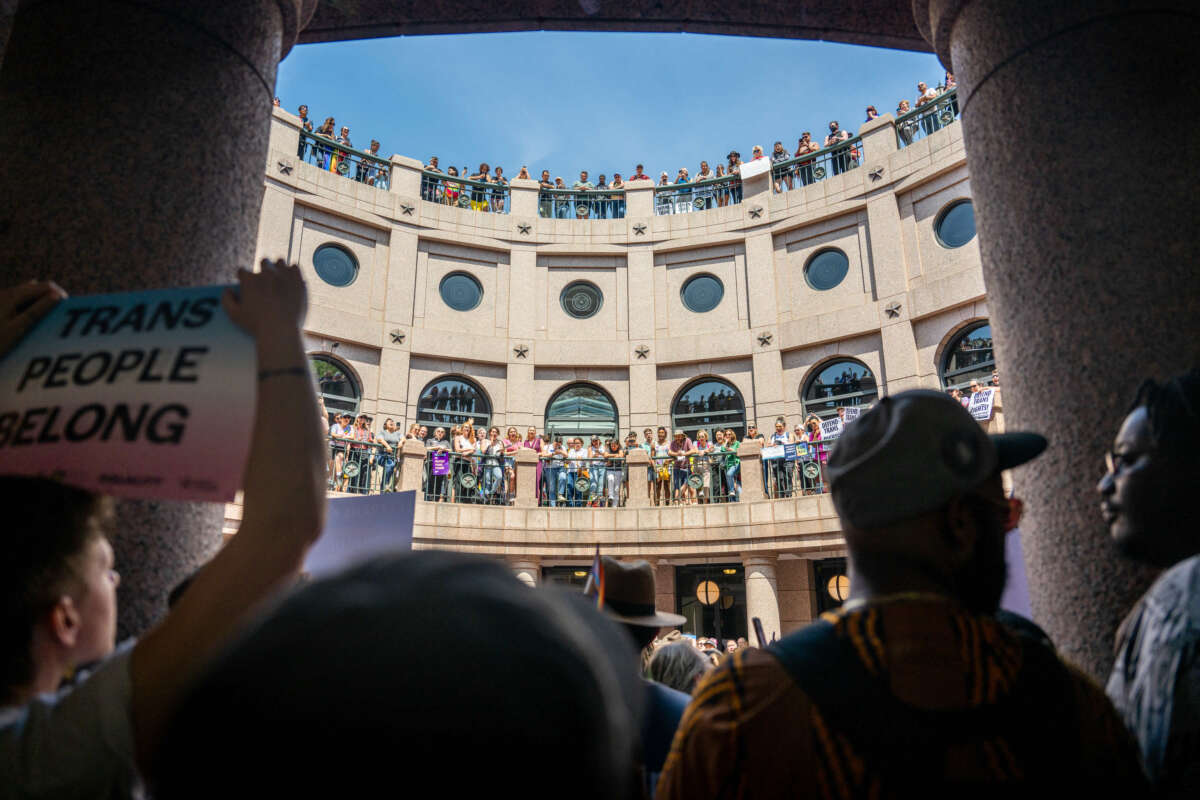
(912, 686)
(626, 594)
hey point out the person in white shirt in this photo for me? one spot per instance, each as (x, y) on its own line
(577, 457)
(927, 94)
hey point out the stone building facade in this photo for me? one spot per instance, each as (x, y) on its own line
(902, 303)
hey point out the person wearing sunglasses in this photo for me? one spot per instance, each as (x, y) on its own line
(1147, 501)
(912, 677)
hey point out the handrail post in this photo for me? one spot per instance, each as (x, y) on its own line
(879, 140)
(406, 177)
(638, 480)
(411, 466)
(526, 462)
(523, 198)
(750, 454)
(639, 200)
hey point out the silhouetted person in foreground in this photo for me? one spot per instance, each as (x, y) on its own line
(1148, 498)
(326, 697)
(912, 688)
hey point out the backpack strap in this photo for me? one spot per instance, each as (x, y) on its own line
(908, 745)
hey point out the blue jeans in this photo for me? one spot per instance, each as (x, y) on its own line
(731, 476)
(569, 477)
(493, 479)
(389, 466)
(553, 477)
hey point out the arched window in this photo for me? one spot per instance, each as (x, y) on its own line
(708, 404)
(844, 382)
(335, 385)
(453, 401)
(581, 410)
(969, 357)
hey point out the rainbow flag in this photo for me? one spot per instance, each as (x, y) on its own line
(598, 578)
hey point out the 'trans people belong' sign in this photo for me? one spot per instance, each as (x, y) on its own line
(146, 394)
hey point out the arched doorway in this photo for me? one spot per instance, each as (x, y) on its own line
(336, 386)
(581, 410)
(844, 382)
(707, 404)
(452, 400)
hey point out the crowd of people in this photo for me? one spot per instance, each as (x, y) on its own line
(916, 684)
(486, 188)
(328, 147)
(465, 464)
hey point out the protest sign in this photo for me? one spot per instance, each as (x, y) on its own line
(754, 168)
(358, 528)
(774, 451)
(439, 462)
(145, 394)
(982, 404)
(789, 452)
(851, 413)
(831, 428)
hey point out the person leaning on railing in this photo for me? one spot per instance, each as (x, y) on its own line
(390, 439)
(732, 467)
(555, 471)
(616, 205)
(479, 194)
(492, 467)
(781, 175)
(437, 489)
(501, 190)
(804, 147)
(701, 465)
(451, 189)
(926, 94)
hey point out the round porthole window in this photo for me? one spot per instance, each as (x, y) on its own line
(826, 269)
(335, 265)
(581, 299)
(956, 225)
(460, 291)
(702, 293)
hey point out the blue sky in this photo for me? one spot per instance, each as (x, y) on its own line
(596, 101)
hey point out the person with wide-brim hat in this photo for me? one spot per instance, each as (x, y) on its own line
(625, 593)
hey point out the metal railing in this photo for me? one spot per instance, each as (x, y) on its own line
(684, 198)
(454, 190)
(583, 482)
(695, 479)
(359, 467)
(581, 204)
(812, 167)
(798, 470)
(357, 165)
(455, 478)
(928, 118)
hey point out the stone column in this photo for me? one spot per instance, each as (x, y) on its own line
(526, 466)
(1085, 217)
(638, 481)
(762, 595)
(411, 467)
(528, 571)
(145, 169)
(750, 454)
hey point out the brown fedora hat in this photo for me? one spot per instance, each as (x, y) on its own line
(629, 594)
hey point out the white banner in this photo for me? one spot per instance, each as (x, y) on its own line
(831, 428)
(145, 394)
(982, 404)
(852, 413)
(759, 166)
(774, 451)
